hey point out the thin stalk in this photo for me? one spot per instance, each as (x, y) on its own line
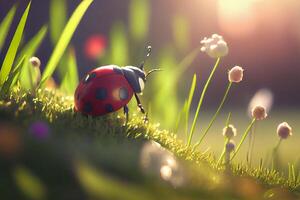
(228, 119)
(187, 60)
(275, 157)
(215, 115)
(243, 138)
(252, 143)
(278, 144)
(226, 140)
(201, 100)
(223, 152)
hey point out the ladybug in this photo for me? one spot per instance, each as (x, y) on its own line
(109, 88)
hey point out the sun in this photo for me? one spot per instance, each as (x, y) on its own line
(237, 17)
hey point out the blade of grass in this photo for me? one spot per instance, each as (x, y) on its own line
(12, 78)
(119, 45)
(27, 73)
(64, 40)
(58, 18)
(5, 25)
(31, 47)
(70, 81)
(180, 30)
(139, 14)
(215, 115)
(243, 138)
(189, 102)
(13, 47)
(180, 116)
(201, 100)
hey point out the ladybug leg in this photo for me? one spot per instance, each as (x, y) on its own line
(141, 107)
(126, 110)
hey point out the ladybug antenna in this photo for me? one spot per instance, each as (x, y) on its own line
(148, 53)
(153, 70)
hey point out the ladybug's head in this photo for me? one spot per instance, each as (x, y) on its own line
(136, 76)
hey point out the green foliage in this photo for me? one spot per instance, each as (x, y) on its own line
(211, 122)
(185, 112)
(201, 101)
(30, 184)
(12, 78)
(58, 18)
(181, 33)
(189, 102)
(12, 50)
(164, 101)
(64, 40)
(70, 80)
(93, 145)
(118, 45)
(29, 75)
(139, 14)
(5, 25)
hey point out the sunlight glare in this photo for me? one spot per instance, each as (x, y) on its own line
(236, 17)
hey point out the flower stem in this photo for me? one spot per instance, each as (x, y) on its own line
(243, 138)
(215, 115)
(200, 102)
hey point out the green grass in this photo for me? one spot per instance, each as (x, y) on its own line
(13, 47)
(64, 40)
(5, 25)
(88, 157)
(104, 151)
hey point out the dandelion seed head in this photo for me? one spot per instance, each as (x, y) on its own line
(215, 46)
(259, 113)
(284, 130)
(236, 74)
(229, 131)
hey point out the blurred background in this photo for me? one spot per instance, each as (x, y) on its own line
(263, 37)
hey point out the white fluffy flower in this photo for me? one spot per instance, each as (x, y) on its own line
(215, 46)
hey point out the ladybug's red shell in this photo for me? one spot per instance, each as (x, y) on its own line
(103, 90)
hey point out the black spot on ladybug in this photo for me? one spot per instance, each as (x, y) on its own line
(109, 108)
(77, 96)
(123, 93)
(117, 70)
(89, 77)
(87, 107)
(101, 93)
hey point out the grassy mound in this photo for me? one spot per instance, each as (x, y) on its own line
(83, 157)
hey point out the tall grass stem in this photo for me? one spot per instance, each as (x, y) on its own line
(215, 115)
(243, 138)
(200, 102)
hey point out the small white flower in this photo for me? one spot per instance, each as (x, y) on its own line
(215, 46)
(236, 74)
